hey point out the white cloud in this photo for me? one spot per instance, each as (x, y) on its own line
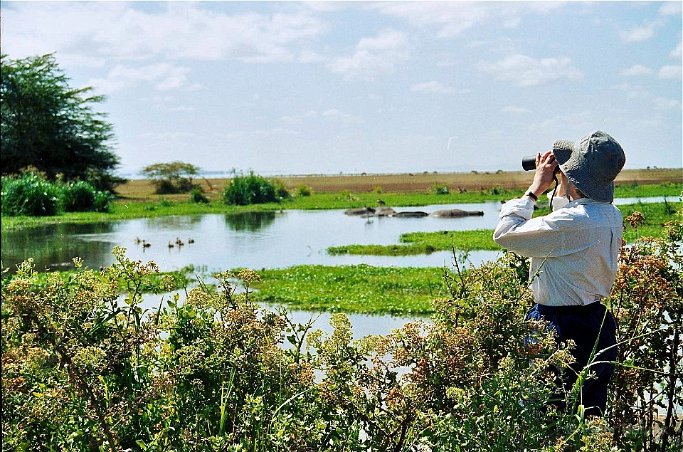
(329, 114)
(647, 30)
(127, 31)
(373, 56)
(664, 103)
(564, 123)
(514, 109)
(676, 53)
(638, 34)
(167, 104)
(169, 136)
(162, 77)
(337, 115)
(526, 71)
(432, 87)
(636, 70)
(670, 9)
(670, 71)
(451, 19)
(308, 56)
(644, 96)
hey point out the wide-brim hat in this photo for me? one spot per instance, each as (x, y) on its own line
(591, 164)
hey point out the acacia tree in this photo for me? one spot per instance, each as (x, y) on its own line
(48, 125)
(171, 177)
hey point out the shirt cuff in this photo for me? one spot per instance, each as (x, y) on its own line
(522, 207)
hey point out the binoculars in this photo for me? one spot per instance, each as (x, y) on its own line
(529, 162)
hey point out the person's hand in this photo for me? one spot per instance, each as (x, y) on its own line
(544, 175)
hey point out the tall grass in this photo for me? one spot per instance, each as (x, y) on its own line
(253, 189)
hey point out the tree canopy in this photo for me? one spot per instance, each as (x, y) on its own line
(51, 126)
(171, 177)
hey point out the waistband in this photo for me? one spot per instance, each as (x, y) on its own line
(574, 309)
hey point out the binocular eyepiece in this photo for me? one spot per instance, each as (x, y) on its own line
(529, 162)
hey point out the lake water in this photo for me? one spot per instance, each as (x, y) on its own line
(253, 240)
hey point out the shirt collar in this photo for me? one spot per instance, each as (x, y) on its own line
(584, 201)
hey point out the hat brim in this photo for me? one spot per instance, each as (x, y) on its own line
(573, 164)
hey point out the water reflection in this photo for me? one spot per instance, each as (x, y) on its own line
(255, 239)
(249, 221)
(54, 246)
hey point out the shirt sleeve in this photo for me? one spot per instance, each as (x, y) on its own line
(556, 234)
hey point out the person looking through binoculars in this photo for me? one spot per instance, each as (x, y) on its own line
(574, 253)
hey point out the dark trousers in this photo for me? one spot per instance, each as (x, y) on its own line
(593, 329)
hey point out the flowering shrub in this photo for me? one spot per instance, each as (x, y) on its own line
(83, 369)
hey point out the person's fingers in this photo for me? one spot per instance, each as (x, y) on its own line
(546, 156)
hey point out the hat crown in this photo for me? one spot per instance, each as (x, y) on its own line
(592, 164)
(605, 157)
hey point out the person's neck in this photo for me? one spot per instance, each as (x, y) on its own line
(574, 194)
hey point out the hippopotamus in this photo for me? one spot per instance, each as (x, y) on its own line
(456, 213)
(360, 211)
(411, 214)
(385, 212)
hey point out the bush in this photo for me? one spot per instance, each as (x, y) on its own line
(197, 196)
(281, 191)
(497, 191)
(102, 201)
(84, 369)
(304, 190)
(253, 189)
(440, 189)
(165, 187)
(77, 196)
(81, 196)
(30, 194)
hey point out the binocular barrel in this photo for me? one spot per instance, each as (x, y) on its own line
(529, 162)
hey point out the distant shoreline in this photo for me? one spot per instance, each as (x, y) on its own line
(228, 174)
(409, 182)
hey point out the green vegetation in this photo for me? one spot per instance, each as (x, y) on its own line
(253, 189)
(83, 370)
(171, 177)
(123, 209)
(151, 282)
(304, 190)
(355, 288)
(198, 196)
(31, 194)
(81, 196)
(440, 189)
(655, 216)
(672, 190)
(425, 243)
(50, 126)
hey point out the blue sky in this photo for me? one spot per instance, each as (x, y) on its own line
(301, 88)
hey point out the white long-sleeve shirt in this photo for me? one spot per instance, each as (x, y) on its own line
(573, 250)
